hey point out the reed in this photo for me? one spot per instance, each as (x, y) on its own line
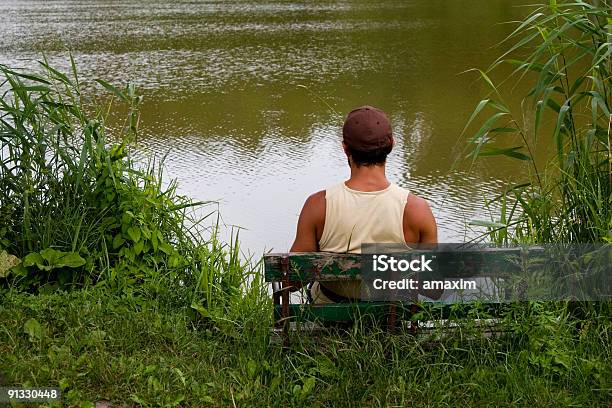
(564, 49)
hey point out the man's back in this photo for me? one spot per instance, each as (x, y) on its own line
(348, 218)
(417, 223)
(354, 217)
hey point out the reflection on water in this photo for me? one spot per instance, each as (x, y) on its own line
(247, 98)
(264, 188)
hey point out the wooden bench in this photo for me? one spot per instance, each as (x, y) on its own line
(287, 271)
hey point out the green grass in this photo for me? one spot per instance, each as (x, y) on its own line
(96, 345)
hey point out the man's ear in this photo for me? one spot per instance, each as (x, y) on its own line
(348, 155)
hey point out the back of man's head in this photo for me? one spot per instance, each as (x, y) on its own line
(367, 136)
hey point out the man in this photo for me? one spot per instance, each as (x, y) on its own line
(366, 208)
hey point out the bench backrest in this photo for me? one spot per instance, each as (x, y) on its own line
(312, 265)
(325, 266)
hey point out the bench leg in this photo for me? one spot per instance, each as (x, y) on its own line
(276, 299)
(414, 325)
(392, 318)
(285, 300)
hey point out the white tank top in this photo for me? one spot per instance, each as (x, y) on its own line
(356, 217)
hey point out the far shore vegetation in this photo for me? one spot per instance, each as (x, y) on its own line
(112, 289)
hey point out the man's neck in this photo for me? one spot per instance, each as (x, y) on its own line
(367, 178)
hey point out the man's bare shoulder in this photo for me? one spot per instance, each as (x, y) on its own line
(312, 217)
(416, 204)
(315, 204)
(316, 198)
(419, 223)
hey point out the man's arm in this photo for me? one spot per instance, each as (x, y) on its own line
(429, 228)
(419, 223)
(310, 224)
(420, 227)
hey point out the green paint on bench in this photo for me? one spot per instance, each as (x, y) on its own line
(347, 312)
(336, 312)
(313, 265)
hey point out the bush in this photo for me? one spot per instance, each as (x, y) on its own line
(75, 210)
(66, 193)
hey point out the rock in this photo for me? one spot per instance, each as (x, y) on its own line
(7, 261)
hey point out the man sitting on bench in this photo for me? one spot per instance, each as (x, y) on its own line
(366, 208)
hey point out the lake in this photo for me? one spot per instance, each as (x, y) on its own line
(247, 99)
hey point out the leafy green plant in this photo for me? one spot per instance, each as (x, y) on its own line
(81, 213)
(49, 259)
(51, 153)
(569, 63)
(563, 51)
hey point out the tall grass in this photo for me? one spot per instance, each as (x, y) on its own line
(77, 211)
(54, 159)
(565, 50)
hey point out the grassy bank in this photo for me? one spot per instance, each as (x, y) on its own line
(97, 345)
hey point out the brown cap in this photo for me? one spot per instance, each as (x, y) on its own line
(367, 128)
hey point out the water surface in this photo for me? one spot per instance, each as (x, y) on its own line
(247, 98)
